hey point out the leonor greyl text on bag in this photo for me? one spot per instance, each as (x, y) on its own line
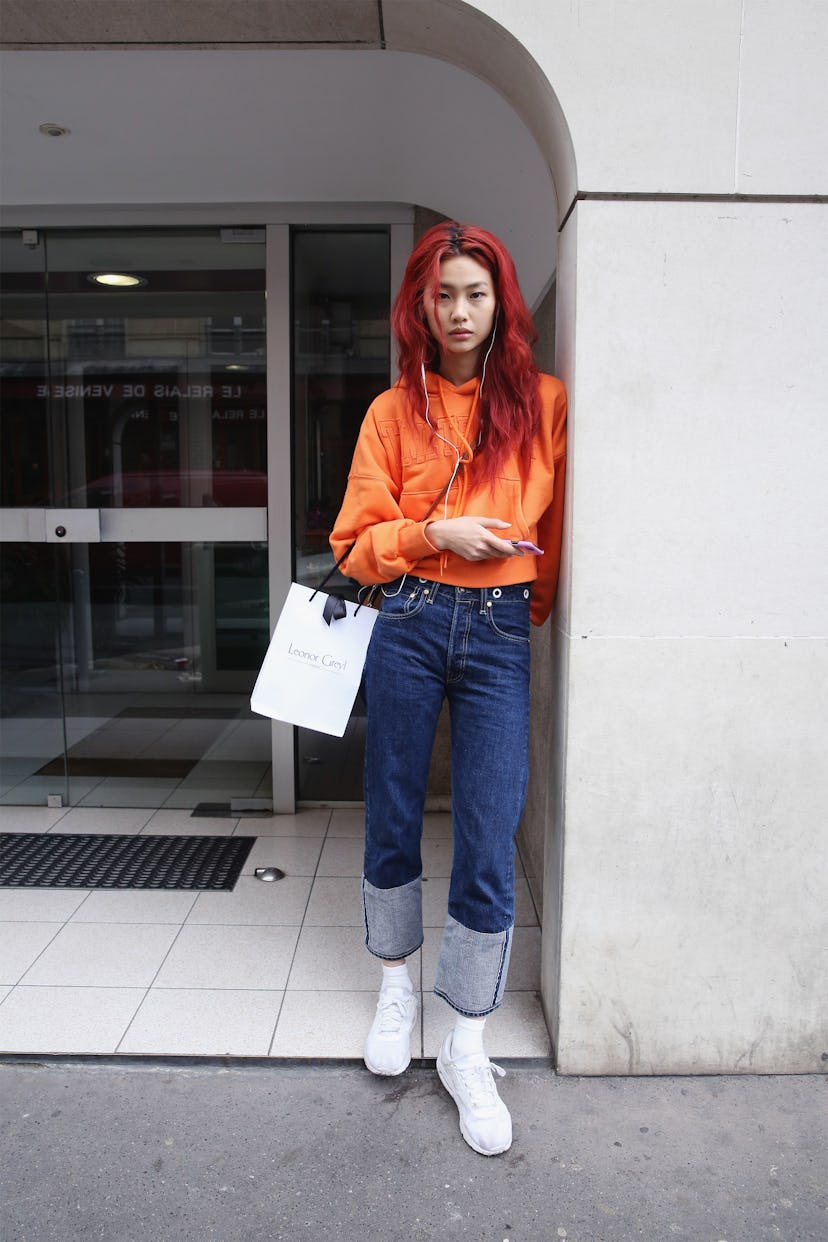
(318, 659)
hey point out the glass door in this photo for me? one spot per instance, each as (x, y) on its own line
(32, 730)
(134, 534)
(340, 300)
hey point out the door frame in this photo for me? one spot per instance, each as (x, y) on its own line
(276, 523)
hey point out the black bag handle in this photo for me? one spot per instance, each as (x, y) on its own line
(435, 502)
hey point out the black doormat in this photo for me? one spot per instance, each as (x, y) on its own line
(64, 860)
(149, 769)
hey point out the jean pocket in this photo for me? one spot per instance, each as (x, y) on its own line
(509, 618)
(403, 604)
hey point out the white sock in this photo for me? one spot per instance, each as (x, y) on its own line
(467, 1036)
(397, 977)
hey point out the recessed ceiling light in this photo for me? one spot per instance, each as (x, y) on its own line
(236, 366)
(52, 130)
(116, 280)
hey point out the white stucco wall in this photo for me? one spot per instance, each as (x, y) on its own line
(689, 860)
(694, 929)
(684, 96)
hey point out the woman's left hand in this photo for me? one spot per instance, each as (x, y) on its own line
(473, 538)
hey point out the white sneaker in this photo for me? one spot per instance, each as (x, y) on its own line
(485, 1122)
(387, 1048)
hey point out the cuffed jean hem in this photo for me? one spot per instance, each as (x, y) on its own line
(472, 970)
(393, 919)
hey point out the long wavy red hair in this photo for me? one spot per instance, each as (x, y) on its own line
(510, 400)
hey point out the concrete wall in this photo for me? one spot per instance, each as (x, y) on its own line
(694, 913)
(686, 850)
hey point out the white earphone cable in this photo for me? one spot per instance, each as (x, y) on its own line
(451, 445)
(459, 460)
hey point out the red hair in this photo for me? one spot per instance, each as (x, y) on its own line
(510, 400)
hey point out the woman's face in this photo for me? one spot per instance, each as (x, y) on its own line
(461, 320)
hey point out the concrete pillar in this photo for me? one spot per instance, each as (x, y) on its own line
(693, 855)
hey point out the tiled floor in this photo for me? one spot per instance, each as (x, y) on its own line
(274, 970)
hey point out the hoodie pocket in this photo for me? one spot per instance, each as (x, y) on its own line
(508, 505)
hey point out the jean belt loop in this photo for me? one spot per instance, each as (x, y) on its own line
(484, 594)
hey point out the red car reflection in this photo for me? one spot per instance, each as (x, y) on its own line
(174, 489)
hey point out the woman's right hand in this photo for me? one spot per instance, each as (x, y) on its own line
(472, 538)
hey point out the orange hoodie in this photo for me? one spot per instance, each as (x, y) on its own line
(398, 469)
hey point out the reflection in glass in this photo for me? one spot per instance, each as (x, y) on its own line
(31, 688)
(341, 292)
(149, 396)
(183, 611)
(152, 397)
(137, 631)
(25, 473)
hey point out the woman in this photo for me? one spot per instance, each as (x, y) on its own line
(455, 487)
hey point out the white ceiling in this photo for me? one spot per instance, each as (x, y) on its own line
(271, 126)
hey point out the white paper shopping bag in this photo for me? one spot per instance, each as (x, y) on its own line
(313, 667)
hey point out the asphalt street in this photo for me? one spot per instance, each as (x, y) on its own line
(177, 1152)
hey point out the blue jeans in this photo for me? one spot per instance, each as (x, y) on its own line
(471, 646)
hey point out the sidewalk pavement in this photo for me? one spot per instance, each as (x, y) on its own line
(242, 1152)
